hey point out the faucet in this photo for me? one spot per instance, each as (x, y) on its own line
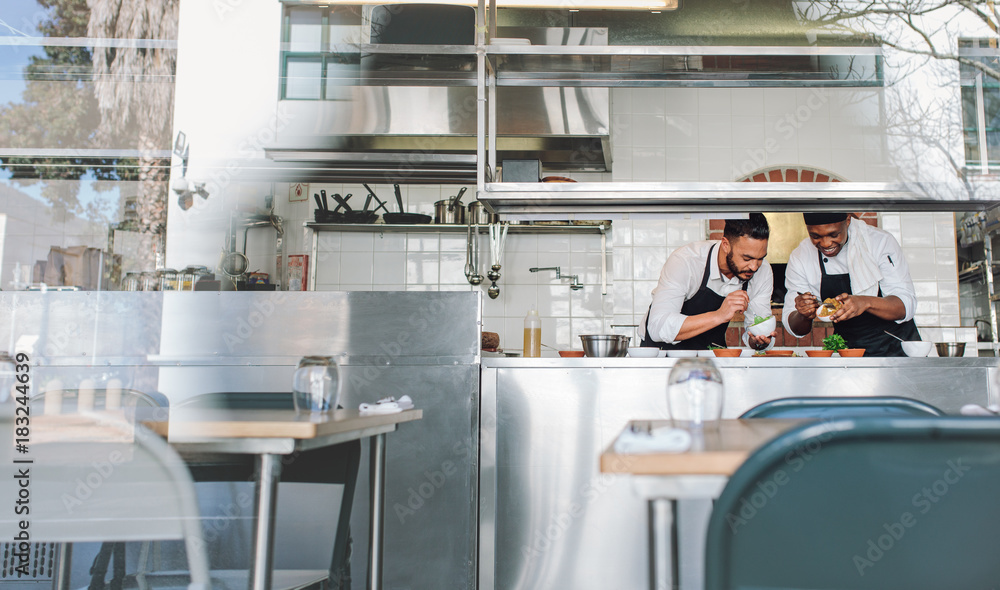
(574, 280)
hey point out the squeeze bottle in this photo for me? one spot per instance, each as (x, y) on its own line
(532, 334)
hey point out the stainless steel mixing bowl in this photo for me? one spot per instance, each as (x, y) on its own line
(605, 345)
(950, 348)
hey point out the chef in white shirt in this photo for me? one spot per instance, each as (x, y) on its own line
(704, 284)
(863, 269)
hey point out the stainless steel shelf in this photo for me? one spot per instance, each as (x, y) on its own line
(427, 228)
(595, 198)
(689, 66)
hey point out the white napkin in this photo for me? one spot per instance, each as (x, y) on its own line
(658, 440)
(978, 410)
(387, 405)
(861, 263)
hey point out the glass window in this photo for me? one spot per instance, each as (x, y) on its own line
(303, 76)
(305, 29)
(984, 51)
(85, 144)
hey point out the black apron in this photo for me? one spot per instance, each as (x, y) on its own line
(703, 301)
(866, 330)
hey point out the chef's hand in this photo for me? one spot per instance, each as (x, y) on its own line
(735, 302)
(806, 304)
(760, 342)
(853, 306)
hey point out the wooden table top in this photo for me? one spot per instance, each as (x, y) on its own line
(203, 424)
(724, 449)
(184, 425)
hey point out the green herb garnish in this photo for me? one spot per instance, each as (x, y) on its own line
(834, 342)
(715, 347)
(760, 319)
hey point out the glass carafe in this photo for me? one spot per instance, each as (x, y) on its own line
(316, 384)
(695, 393)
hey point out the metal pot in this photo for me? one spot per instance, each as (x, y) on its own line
(450, 210)
(478, 214)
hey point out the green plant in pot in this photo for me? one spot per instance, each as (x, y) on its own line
(834, 342)
(831, 344)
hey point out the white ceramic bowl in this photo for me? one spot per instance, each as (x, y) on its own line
(682, 354)
(643, 352)
(917, 348)
(662, 354)
(706, 353)
(764, 328)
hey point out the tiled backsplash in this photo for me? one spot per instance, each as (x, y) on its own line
(658, 135)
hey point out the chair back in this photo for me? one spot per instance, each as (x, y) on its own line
(841, 407)
(99, 477)
(866, 503)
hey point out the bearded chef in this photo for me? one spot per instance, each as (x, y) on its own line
(704, 284)
(855, 276)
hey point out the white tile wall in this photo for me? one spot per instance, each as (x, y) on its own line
(676, 134)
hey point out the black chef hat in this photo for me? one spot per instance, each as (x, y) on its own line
(823, 218)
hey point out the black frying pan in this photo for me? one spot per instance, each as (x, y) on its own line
(322, 214)
(401, 217)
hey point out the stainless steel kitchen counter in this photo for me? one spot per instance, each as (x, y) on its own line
(549, 519)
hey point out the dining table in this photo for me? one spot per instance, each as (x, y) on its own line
(270, 435)
(694, 476)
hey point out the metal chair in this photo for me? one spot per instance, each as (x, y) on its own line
(329, 465)
(841, 407)
(130, 405)
(859, 504)
(98, 477)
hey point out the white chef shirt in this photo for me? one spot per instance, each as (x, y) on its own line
(681, 278)
(803, 273)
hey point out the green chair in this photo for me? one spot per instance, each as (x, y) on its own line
(841, 407)
(863, 504)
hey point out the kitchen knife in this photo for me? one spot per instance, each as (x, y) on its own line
(326, 206)
(319, 204)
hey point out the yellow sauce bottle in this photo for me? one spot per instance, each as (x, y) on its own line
(532, 334)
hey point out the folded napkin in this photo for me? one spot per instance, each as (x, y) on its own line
(387, 405)
(978, 410)
(861, 263)
(657, 440)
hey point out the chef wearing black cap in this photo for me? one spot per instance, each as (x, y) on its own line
(863, 269)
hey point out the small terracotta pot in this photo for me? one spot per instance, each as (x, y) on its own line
(773, 352)
(730, 352)
(571, 353)
(819, 352)
(851, 352)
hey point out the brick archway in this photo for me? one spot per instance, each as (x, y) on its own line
(788, 173)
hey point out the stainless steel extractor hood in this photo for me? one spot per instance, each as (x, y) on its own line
(411, 116)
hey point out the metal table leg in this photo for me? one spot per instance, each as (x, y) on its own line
(376, 475)
(663, 554)
(64, 557)
(265, 503)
